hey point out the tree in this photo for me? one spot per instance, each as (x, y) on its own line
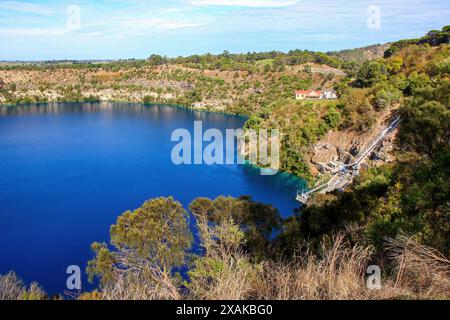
(157, 60)
(307, 69)
(151, 244)
(332, 118)
(371, 72)
(426, 127)
(395, 65)
(157, 232)
(385, 95)
(341, 87)
(416, 81)
(256, 220)
(223, 271)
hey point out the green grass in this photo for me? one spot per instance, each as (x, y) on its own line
(265, 62)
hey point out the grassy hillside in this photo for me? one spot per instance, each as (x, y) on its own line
(409, 196)
(360, 55)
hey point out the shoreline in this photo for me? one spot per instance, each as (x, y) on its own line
(22, 104)
(301, 180)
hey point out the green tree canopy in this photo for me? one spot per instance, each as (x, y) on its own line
(158, 231)
(258, 221)
(371, 72)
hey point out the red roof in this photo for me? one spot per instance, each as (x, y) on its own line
(309, 92)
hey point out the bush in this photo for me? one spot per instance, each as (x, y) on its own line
(384, 96)
(371, 72)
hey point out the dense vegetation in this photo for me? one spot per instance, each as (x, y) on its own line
(239, 259)
(433, 38)
(412, 195)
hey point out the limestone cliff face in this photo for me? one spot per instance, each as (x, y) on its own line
(344, 145)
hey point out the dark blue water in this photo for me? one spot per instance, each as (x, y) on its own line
(68, 170)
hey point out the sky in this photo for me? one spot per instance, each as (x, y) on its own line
(113, 29)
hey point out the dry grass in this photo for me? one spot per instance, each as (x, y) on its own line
(139, 279)
(226, 273)
(11, 287)
(232, 281)
(420, 273)
(422, 270)
(339, 273)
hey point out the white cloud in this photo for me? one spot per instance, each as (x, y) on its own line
(25, 7)
(246, 3)
(33, 32)
(93, 34)
(159, 24)
(147, 26)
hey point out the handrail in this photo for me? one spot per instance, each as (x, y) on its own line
(304, 196)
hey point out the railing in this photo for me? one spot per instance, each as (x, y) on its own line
(303, 196)
(394, 124)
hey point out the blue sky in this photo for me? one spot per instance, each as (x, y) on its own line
(111, 29)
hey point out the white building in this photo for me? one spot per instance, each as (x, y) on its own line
(330, 94)
(315, 94)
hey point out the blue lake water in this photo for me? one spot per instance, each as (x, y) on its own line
(67, 171)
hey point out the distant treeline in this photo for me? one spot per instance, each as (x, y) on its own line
(226, 61)
(433, 38)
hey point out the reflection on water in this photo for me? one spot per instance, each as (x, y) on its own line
(54, 108)
(281, 180)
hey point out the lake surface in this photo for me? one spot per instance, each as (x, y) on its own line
(67, 171)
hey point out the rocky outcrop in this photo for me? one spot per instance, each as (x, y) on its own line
(344, 146)
(344, 156)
